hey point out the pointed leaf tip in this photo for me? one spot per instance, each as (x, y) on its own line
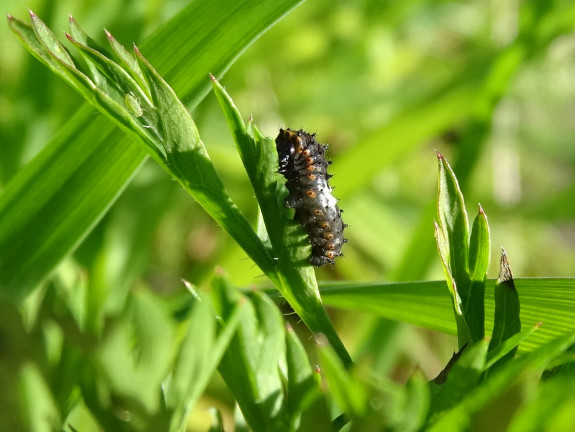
(439, 155)
(212, 77)
(505, 274)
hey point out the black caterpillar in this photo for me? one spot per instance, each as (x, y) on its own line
(302, 163)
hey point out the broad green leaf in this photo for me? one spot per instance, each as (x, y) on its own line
(292, 274)
(50, 206)
(547, 302)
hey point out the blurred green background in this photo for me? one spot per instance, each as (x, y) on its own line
(490, 84)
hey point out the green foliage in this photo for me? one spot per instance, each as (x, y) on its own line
(90, 154)
(88, 345)
(465, 260)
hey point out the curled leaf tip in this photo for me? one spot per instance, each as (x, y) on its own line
(69, 37)
(9, 17)
(505, 274)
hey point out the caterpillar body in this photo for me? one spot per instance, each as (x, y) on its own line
(303, 164)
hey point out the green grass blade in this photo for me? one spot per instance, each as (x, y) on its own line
(479, 247)
(545, 302)
(52, 204)
(48, 209)
(409, 129)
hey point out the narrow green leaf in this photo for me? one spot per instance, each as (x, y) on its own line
(412, 127)
(50, 206)
(46, 210)
(462, 377)
(417, 399)
(198, 358)
(506, 321)
(452, 234)
(350, 393)
(128, 60)
(46, 37)
(188, 161)
(292, 274)
(114, 81)
(479, 247)
(302, 389)
(25, 33)
(507, 346)
(452, 222)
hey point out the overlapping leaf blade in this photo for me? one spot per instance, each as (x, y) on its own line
(48, 209)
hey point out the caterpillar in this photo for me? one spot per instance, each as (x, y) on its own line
(302, 163)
